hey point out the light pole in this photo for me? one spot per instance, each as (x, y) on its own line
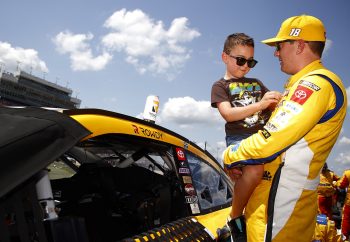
(18, 67)
(2, 67)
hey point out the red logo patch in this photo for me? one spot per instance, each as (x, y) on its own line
(301, 94)
(180, 154)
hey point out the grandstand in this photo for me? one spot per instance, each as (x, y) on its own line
(24, 89)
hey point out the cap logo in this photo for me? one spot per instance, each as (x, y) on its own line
(295, 32)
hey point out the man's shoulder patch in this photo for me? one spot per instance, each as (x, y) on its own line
(301, 94)
(311, 85)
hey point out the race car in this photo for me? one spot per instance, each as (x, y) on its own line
(96, 175)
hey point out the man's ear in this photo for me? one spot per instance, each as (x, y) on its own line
(301, 46)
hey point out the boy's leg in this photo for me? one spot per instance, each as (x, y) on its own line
(244, 187)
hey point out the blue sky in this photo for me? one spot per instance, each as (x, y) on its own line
(113, 54)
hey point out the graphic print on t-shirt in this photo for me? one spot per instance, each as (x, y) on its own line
(243, 94)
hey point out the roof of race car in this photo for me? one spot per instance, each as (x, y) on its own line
(101, 122)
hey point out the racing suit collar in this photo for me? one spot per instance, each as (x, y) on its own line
(315, 65)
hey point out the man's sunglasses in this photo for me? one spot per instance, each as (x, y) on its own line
(241, 61)
(278, 44)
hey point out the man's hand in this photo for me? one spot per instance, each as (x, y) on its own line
(233, 173)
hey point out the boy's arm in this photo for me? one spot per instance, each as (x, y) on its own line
(231, 114)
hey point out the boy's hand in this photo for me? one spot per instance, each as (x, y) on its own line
(270, 100)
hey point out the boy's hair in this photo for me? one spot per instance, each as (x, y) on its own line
(237, 39)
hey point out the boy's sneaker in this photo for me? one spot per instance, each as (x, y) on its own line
(238, 229)
(234, 227)
(224, 234)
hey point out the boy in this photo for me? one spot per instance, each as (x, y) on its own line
(245, 104)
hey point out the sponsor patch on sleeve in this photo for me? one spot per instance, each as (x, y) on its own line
(271, 127)
(301, 94)
(313, 86)
(234, 147)
(265, 133)
(280, 120)
(293, 107)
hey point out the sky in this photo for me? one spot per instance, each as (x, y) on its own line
(113, 54)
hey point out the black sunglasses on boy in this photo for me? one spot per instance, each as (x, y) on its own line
(241, 61)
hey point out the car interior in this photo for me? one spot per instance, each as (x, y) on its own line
(119, 185)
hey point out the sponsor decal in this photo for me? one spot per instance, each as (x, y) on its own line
(191, 199)
(189, 189)
(271, 127)
(321, 219)
(234, 147)
(281, 118)
(292, 107)
(301, 94)
(147, 132)
(265, 133)
(184, 171)
(280, 104)
(180, 154)
(310, 84)
(187, 179)
(195, 208)
(267, 176)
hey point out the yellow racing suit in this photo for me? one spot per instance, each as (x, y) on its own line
(293, 145)
(325, 230)
(326, 192)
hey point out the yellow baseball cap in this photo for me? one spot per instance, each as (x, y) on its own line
(303, 27)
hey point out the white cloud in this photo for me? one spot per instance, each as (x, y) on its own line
(344, 140)
(328, 45)
(76, 45)
(348, 95)
(344, 158)
(147, 44)
(188, 112)
(25, 59)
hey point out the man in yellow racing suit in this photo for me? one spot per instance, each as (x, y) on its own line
(296, 140)
(344, 183)
(326, 191)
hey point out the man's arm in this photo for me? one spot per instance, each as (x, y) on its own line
(295, 116)
(343, 182)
